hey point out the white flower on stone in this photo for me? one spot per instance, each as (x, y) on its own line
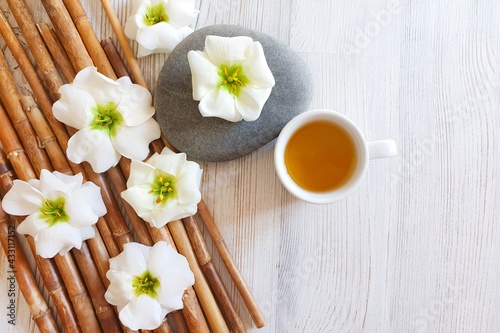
(114, 118)
(159, 25)
(61, 211)
(146, 283)
(164, 188)
(231, 78)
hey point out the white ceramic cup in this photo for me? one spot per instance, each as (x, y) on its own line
(365, 152)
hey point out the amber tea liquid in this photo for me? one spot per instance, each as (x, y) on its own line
(320, 156)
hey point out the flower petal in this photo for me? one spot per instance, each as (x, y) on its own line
(170, 211)
(172, 287)
(135, 105)
(163, 259)
(204, 73)
(141, 201)
(161, 35)
(140, 174)
(120, 290)
(80, 205)
(74, 108)
(53, 187)
(219, 103)
(87, 233)
(168, 163)
(133, 141)
(76, 180)
(102, 89)
(141, 312)
(131, 260)
(250, 102)
(22, 199)
(132, 26)
(188, 185)
(227, 50)
(93, 146)
(61, 236)
(257, 69)
(32, 225)
(180, 13)
(144, 52)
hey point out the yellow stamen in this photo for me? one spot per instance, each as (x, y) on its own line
(146, 280)
(57, 214)
(169, 189)
(49, 220)
(59, 206)
(147, 16)
(223, 83)
(225, 70)
(234, 88)
(161, 179)
(166, 184)
(151, 191)
(150, 283)
(45, 213)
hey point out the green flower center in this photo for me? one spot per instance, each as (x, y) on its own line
(163, 188)
(146, 284)
(53, 211)
(232, 79)
(106, 118)
(155, 14)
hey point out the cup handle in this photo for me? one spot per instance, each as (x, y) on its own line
(382, 149)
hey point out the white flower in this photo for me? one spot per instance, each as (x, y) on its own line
(146, 283)
(159, 25)
(114, 118)
(231, 78)
(164, 188)
(61, 211)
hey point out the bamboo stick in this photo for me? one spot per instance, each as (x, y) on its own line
(114, 57)
(11, 100)
(89, 38)
(44, 132)
(231, 265)
(56, 49)
(67, 32)
(122, 40)
(50, 275)
(207, 300)
(19, 266)
(206, 264)
(31, 76)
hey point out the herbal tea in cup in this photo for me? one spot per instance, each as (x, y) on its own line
(321, 156)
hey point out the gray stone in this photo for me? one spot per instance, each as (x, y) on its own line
(215, 139)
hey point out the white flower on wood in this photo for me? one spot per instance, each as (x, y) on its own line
(146, 283)
(113, 119)
(159, 25)
(231, 78)
(61, 211)
(164, 188)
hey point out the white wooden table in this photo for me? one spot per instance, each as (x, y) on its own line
(417, 247)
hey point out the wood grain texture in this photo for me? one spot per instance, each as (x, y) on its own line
(415, 249)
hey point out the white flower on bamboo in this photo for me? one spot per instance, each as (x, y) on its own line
(61, 211)
(159, 25)
(231, 78)
(164, 188)
(113, 119)
(146, 283)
